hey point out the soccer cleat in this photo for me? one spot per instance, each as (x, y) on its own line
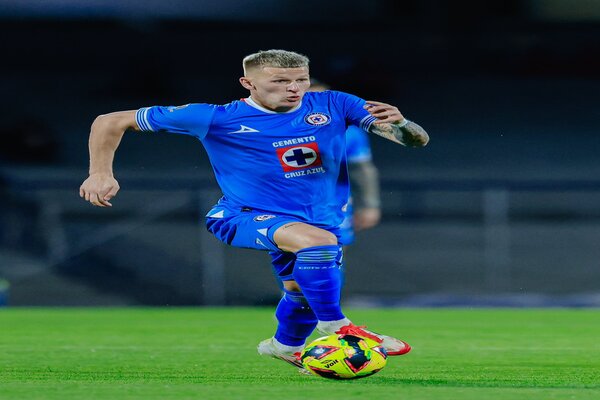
(393, 346)
(267, 348)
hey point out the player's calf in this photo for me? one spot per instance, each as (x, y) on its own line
(296, 319)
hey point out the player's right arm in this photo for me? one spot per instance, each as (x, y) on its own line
(107, 132)
(105, 135)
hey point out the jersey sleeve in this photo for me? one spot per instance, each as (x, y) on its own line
(189, 119)
(352, 107)
(358, 148)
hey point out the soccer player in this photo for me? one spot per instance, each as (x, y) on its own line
(276, 155)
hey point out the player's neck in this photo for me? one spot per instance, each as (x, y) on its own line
(251, 102)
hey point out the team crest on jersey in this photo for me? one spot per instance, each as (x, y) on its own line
(264, 217)
(317, 119)
(294, 158)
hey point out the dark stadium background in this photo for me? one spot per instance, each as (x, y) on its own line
(502, 208)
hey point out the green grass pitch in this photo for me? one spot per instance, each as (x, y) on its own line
(210, 353)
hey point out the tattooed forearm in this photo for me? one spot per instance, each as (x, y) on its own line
(409, 134)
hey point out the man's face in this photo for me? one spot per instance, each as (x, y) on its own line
(277, 89)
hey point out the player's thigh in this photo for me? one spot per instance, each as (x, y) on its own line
(296, 236)
(245, 228)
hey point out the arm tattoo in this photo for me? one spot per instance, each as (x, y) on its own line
(410, 134)
(290, 225)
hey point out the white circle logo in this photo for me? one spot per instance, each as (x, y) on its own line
(317, 119)
(299, 157)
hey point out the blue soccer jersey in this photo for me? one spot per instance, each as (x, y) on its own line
(358, 148)
(285, 163)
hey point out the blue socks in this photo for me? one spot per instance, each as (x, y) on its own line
(317, 271)
(296, 319)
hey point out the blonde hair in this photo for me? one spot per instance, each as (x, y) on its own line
(275, 58)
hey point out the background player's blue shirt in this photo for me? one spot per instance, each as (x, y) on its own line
(285, 163)
(358, 148)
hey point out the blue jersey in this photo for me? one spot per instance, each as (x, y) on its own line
(286, 163)
(357, 145)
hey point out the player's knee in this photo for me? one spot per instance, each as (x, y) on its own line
(318, 238)
(291, 286)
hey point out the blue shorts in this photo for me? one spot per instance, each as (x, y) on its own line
(253, 229)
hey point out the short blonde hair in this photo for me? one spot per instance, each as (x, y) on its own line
(275, 58)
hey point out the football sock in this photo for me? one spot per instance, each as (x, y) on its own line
(330, 327)
(296, 320)
(285, 348)
(317, 272)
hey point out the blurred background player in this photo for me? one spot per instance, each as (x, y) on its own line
(363, 210)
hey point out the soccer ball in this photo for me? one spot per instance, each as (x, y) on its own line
(343, 357)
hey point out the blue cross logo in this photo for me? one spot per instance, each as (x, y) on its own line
(298, 157)
(317, 119)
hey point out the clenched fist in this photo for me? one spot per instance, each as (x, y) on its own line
(98, 189)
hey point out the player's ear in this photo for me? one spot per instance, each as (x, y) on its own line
(246, 83)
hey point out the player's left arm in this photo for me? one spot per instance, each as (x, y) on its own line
(364, 181)
(392, 125)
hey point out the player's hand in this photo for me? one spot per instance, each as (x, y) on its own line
(98, 189)
(366, 218)
(385, 113)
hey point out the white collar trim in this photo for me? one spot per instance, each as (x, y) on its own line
(254, 104)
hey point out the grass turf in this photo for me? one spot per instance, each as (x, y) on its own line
(209, 353)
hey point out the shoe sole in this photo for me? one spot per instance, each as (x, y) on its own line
(405, 350)
(295, 363)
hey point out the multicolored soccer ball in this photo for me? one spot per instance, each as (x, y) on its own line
(343, 357)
